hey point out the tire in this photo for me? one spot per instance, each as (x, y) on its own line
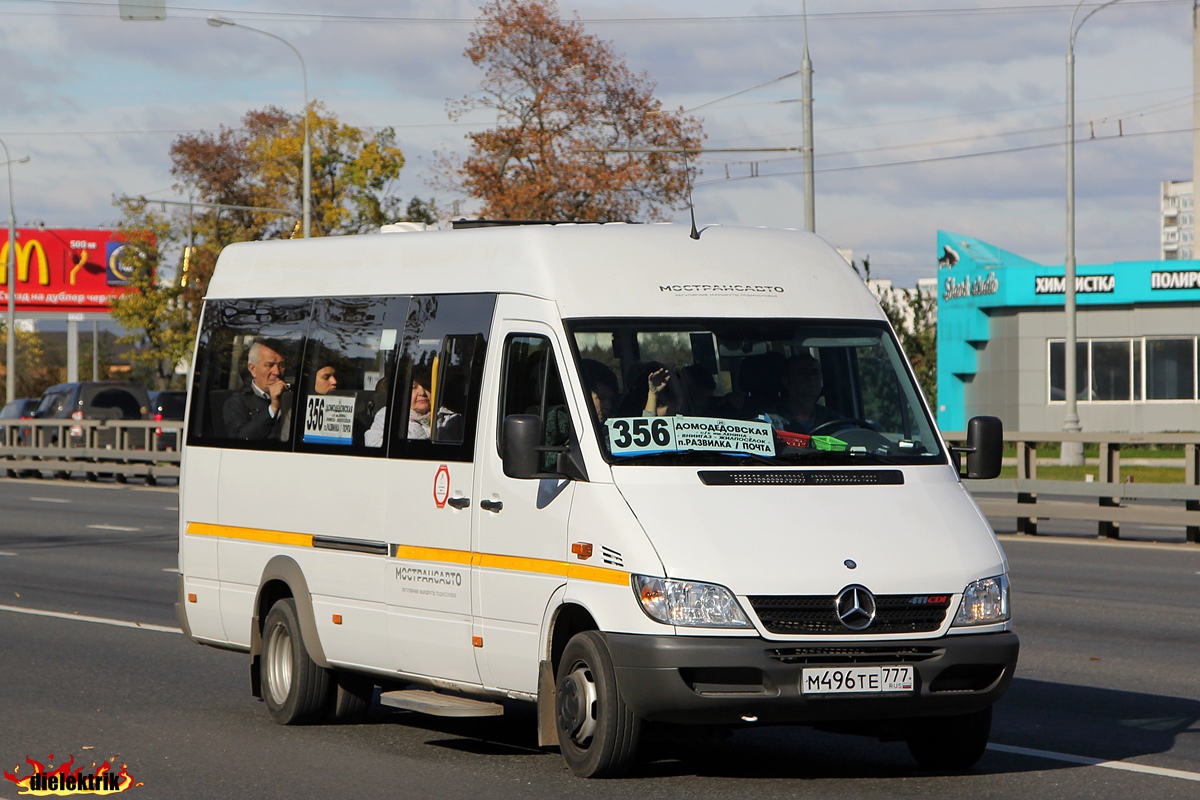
(951, 744)
(597, 733)
(351, 697)
(295, 689)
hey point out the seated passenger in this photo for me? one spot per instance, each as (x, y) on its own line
(419, 407)
(600, 382)
(698, 387)
(325, 380)
(258, 411)
(803, 385)
(651, 393)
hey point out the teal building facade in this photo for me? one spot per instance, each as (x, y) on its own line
(1002, 337)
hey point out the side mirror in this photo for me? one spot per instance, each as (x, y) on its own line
(523, 454)
(984, 448)
(521, 436)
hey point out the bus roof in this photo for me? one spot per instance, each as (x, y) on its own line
(588, 270)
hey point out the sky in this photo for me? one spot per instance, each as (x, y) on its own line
(928, 114)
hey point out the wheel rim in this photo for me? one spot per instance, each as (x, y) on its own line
(577, 705)
(279, 664)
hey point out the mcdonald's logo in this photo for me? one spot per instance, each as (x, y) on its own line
(23, 255)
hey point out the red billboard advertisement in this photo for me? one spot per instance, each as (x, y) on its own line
(63, 269)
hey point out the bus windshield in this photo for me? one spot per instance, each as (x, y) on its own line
(703, 391)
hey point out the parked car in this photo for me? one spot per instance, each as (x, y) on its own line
(21, 408)
(93, 400)
(167, 406)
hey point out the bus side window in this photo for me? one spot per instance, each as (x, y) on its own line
(445, 342)
(349, 364)
(459, 362)
(224, 385)
(532, 386)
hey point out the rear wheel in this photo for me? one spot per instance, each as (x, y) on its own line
(597, 733)
(951, 743)
(295, 689)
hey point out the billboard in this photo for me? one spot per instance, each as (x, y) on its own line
(62, 269)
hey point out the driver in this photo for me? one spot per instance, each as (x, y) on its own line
(803, 385)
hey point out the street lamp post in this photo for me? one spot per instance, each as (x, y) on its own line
(1072, 452)
(217, 22)
(10, 280)
(810, 200)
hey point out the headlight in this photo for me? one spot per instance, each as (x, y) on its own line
(983, 602)
(688, 603)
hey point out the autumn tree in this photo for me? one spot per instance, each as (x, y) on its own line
(154, 310)
(579, 136)
(246, 183)
(33, 374)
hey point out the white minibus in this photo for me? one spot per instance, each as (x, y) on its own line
(638, 478)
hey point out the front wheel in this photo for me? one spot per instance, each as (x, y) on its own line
(597, 733)
(951, 743)
(295, 689)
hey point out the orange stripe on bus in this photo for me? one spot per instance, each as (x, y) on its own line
(542, 566)
(250, 534)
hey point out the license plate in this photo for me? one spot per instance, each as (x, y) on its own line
(856, 680)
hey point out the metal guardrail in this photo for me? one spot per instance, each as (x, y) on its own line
(1109, 501)
(121, 448)
(149, 449)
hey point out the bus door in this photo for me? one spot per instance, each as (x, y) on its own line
(431, 431)
(521, 525)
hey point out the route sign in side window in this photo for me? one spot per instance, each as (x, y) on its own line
(349, 365)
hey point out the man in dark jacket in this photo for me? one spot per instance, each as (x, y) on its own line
(257, 412)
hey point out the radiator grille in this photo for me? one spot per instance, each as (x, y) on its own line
(817, 615)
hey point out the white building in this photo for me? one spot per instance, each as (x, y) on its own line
(1178, 221)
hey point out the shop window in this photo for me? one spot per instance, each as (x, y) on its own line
(1170, 369)
(1112, 370)
(1058, 371)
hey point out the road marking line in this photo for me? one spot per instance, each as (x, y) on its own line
(50, 500)
(6, 553)
(120, 623)
(113, 528)
(1126, 766)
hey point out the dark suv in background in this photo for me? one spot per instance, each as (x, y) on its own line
(11, 431)
(167, 406)
(92, 400)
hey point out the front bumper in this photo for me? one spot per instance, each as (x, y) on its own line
(707, 680)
